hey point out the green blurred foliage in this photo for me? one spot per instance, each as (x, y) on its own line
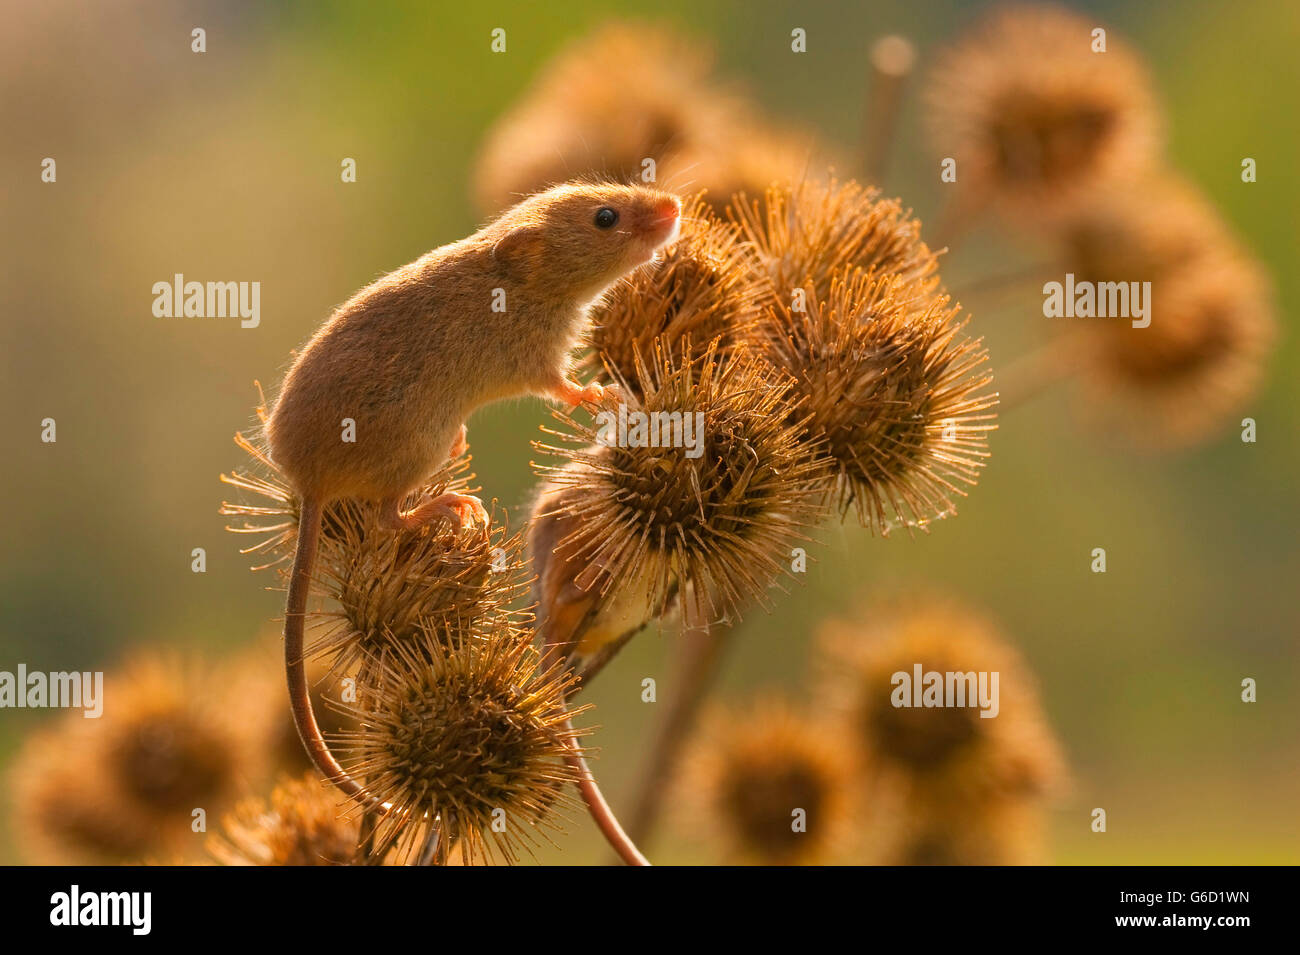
(226, 166)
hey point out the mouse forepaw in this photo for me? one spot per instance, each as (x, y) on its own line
(574, 394)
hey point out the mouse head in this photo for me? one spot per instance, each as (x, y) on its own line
(579, 238)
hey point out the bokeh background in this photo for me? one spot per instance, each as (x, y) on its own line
(226, 166)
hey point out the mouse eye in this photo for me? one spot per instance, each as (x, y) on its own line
(606, 217)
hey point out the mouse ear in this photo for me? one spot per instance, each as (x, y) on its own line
(519, 251)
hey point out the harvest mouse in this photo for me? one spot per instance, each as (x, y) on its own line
(376, 401)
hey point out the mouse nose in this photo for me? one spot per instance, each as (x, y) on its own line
(669, 208)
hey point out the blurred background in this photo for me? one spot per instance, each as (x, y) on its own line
(225, 166)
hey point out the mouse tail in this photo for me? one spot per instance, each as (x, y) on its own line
(304, 717)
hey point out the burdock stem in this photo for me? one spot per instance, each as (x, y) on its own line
(1032, 374)
(891, 65)
(1015, 280)
(429, 852)
(697, 669)
(592, 797)
(599, 808)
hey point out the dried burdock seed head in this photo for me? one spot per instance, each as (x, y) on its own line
(1198, 362)
(67, 809)
(895, 398)
(463, 735)
(624, 95)
(773, 783)
(172, 738)
(271, 513)
(974, 832)
(387, 585)
(304, 822)
(704, 487)
(1211, 318)
(1136, 232)
(704, 288)
(939, 753)
(171, 741)
(810, 233)
(380, 581)
(1034, 116)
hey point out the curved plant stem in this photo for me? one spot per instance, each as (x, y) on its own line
(1032, 374)
(430, 852)
(592, 797)
(365, 854)
(958, 216)
(1004, 281)
(697, 670)
(599, 808)
(553, 654)
(892, 58)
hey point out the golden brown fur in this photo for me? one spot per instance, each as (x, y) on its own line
(410, 356)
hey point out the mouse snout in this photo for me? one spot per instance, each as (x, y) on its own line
(667, 209)
(663, 217)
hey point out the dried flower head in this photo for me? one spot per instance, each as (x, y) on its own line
(386, 586)
(381, 582)
(990, 831)
(936, 754)
(628, 93)
(896, 399)
(702, 487)
(173, 738)
(704, 288)
(304, 822)
(1211, 316)
(1199, 360)
(466, 735)
(773, 783)
(1139, 231)
(1034, 117)
(810, 233)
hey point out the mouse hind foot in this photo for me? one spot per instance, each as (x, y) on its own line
(460, 509)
